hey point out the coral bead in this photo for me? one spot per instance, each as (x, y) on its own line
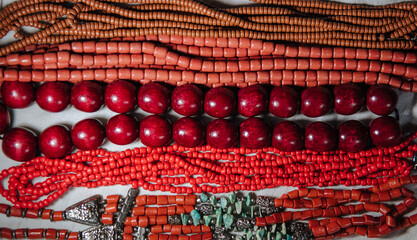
(252, 101)
(381, 99)
(88, 134)
(53, 96)
(55, 142)
(187, 100)
(17, 94)
(4, 118)
(189, 132)
(120, 96)
(155, 131)
(320, 137)
(222, 133)
(284, 102)
(154, 98)
(288, 136)
(122, 129)
(316, 101)
(87, 96)
(348, 99)
(19, 144)
(353, 136)
(219, 102)
(385, 131)
(255, 133)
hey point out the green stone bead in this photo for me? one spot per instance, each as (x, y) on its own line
(238, 207)
(207, 220)
(228, 220)
(184, 219)
(260, 234)
(278, 236)
(196, 217)
(249, 235)
(289, 237)
(232, 198)
(213, 200)
(248, 200)
(252, 211)
(229, 210)
(273, 228)
(219, 217)
(268, 236)
(223, 202)
(203, 197)
(283, 229)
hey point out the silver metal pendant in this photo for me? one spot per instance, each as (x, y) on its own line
(104, 232)
(85, 212)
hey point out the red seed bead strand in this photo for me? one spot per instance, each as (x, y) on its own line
(158, 169)
(40, 233)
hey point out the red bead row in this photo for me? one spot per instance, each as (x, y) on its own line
(158, 169)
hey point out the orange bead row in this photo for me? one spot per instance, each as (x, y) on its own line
(166, 200)
(180, 229)
(205, 236)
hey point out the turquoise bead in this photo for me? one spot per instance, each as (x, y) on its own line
(203, 197)
(213, 200)
(228, 220)
(223, 202)
(207, 220)
(232, 198)
(196, 217)
(184, 219)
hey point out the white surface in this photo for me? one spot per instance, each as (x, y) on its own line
(37, 120)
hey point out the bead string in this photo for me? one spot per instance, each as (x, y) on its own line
(206, 169)
(211, 62)
(190, 18)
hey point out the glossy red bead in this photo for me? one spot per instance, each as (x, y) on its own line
(348, 99)
(120, 96)
(88, 134)
(53, 96)
(188, 132)
(122, 129)
(55, 142)
(4, 118)
(155, 131)
(19, 144)
(219, 102)
(288, 136)
(320, 137)
(316, 101)
(17, 94)
(187, 100)
(381, 99)
(255, 133)
(222, 133)
(87, 96)
(385, 131)
(353, 136)
(252, 101)
(154, 98)
(284, 102)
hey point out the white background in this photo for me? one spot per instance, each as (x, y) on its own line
(37, 119)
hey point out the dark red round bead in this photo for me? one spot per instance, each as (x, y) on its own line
(385, 131)
(316, 101)
(284, 102)
(320, 137)
(252, 101)
(53, 96)
(88, 134)
(154, 98)
(17, 94)
(19, 144)
(219, 102)
(381, 99)
(188, 132)
(122, 129)
(120, 96)
(288, 136)
(255, 133)
(348, 99)
(187, 100)
(87, 96)
(353, 136)
(222, 133)
(155, 131)
(55, 142)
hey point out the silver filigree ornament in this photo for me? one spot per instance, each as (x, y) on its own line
(103, 232)
(264, 201)
(205, 209)
(244, 223)
(174, 220)
(85, 212)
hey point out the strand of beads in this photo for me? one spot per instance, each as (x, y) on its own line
(210, 61)
(353, 28)
(204, 168)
